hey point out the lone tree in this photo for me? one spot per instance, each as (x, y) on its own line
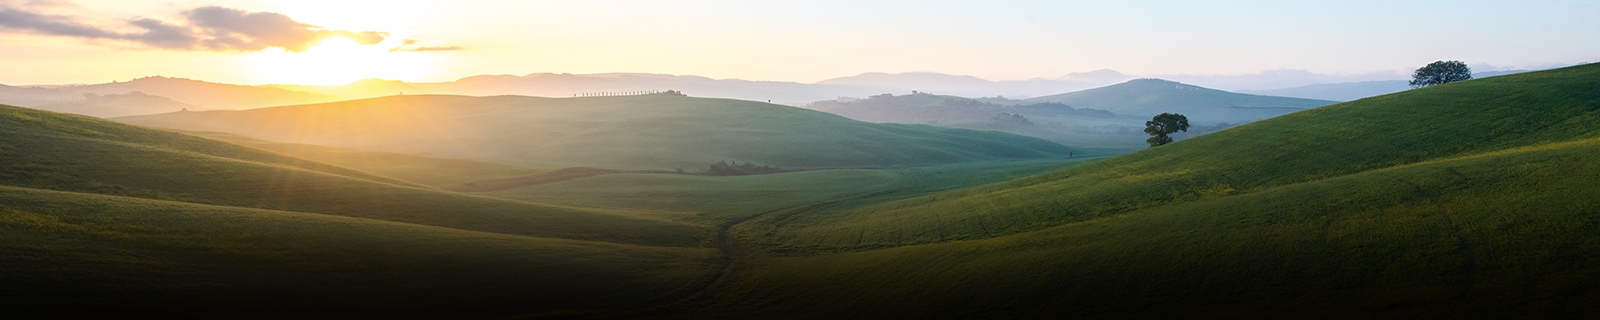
(1440, 72)
(1163, 125)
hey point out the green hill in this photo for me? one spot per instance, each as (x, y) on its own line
(1144, 98)
(1472, 199)
(632, 132)
(46, 150)
(430, 171)
(73, 254)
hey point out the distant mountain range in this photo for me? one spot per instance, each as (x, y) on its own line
(153, 95)
(1143, 98)
(186, 93)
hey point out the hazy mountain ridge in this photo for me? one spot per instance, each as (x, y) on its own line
(1143, 98)
(926, 108)
(208, 95)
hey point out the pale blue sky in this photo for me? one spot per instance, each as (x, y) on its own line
(815, 40)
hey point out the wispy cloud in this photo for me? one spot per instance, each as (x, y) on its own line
(210, 28)
(414, 45)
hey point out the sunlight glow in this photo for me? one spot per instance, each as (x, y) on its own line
(337, 61)
(360, 15)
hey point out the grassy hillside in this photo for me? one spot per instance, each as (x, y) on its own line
(632, 132)
(1144, 98)
(69, 253)
(430, 171)
(1468, 199)
(711, 200)
(46, 150)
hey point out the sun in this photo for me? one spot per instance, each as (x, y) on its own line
(336, 61)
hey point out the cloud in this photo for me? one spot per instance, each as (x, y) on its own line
(414, 45)
(426, 49)
(50, 24)
(233, 29)
(205, 28)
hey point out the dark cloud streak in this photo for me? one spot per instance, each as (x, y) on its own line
(207, 28)
(51, 24)
(427, 49)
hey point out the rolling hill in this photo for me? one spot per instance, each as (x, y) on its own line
(73, 254)
(430, 171)
(1347, 91)
(204, 94)
(1143, 98)
(53, 151)
(1471, 199)
(659, 131)
(116, 105)
(104, 218)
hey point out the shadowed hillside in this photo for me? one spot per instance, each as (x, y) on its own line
(1467, 199)
(68, 254)
(1143, 98)
(46, 150)
(631, 132)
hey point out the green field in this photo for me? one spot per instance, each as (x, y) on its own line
(75, 153)
(71, 253)
(633, 132)
(1474, 199)
(146, 221)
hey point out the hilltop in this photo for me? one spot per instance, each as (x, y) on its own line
(1143, 98)
(1469, 199)
(1347, 91)
(626, 132)
(117, 105)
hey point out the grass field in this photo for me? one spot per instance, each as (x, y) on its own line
(1471, 199)
(74, 153)
(711, 200)
(73, 253)
(430, 171)
(652, 132)
(1421, 125)
(135, 220)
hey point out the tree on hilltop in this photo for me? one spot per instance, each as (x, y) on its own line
(1163, 125)
(1440, 72)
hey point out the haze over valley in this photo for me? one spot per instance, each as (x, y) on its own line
(798, 160)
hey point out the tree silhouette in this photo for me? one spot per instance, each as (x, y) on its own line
(1162, 125)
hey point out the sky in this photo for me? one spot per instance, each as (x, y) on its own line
(335, 41)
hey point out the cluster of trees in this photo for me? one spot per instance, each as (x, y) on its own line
(1440, 72)
(1005, 119)
(1062, 108)
(723, 168)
